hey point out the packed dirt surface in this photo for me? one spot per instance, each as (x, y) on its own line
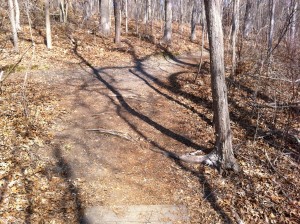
(127, 163)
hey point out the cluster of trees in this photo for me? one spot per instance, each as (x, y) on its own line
(256, 17)
(269, 22)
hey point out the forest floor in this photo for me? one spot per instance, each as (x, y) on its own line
(94, 124)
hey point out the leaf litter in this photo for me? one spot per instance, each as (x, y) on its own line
(267, 191)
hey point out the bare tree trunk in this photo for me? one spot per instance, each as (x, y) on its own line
(117, 10)
(150, 16)
(223, 145)
(137, 16)
(147, 17)
(293, 25)
(144, 7)
(13, 24)
(29, 20)
(202, 40)
(17, 10)
(194, 21)
(271, 26)
(167, 38)
(48, 26)
(66, 11)
(234, 33)
(105, 17)
(126, 16)
(247, 19)
(63, 10)
(181, 17)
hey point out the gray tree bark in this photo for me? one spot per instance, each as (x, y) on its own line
(149, 16)
(48, 25)
(17, 10)
(137, 16)
(181, 17)
(117, 12)
(126, 16)
(271, 26)
(13, 25)
(294, 21)
(223, 145)
(167, 38)
(194, 21)
(105, 17)
(247, 20)
(202, 40)
(234, 33)
(222, 156)
(63, 7)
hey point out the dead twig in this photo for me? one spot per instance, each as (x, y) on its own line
(236, 216)
(277, 105)
(102, 113)
(267, 156)
(12, 69)
(112, 132)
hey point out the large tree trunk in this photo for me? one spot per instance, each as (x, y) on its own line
(48, 26)
(181, 17)
(194, 21)
(294, 19)
(234, 33)
(149, 16)
(105, 17)
(13, 24)
(247, 19)
(271, 26)
(222, 156)
(126, 16)
(117, 11)
(167, 38)
(137, 16)
(202, 40)
(223, 145)
(63, 11)
(144, 11)
(17, 10)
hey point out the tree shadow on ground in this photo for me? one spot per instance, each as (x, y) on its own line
(65, 171)
(239, 115)
(155, 146)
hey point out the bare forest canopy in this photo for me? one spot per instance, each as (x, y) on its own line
(244, 85)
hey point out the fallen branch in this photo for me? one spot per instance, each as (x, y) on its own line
(277, 105)
(272, 78)
(266, 154)
(12, 69)
(112, 132)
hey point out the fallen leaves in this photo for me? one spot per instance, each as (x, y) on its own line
(29, 190)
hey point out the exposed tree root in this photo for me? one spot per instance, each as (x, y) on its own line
(112, 132)
(210, 159)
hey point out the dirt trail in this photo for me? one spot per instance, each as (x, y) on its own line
(109, 170)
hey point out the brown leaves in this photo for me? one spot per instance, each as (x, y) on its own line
(29, 190)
